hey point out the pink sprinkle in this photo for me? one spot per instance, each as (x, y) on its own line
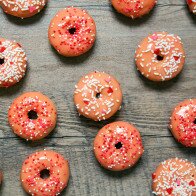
(32, 9)
(154, 37)
(178, 182)
(103, 112)
(107, 80)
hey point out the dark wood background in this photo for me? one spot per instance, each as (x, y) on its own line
(146, 104)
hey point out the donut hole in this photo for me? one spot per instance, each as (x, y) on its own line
(98, 95)
(194, 121)
(160, 57)
(45, 173)
(72, 30)
(2, 61)
(118, 145)
(32, 115)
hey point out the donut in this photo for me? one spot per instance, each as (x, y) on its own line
(183, 122)
(160, 56)
(98, 96)
(72, 32)
(13, 62)
(192, 5)
(32, 116)
(174, 177)
(44, 173)
(22, 8)
(133, 8)
(118, 146)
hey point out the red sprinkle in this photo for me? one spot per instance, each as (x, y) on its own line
(32, 9)
(169, 190)
(153, 175)
(86, 102)
(176, 58)
(110, 90)
(192, 183)
(2, 49)
(189, 1)
(157, 51)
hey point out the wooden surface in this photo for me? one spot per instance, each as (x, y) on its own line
(146, 104)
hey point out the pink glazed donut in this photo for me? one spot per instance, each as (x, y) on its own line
(44, 173)
(22, 8)
(192, 5)
(183, 122)
(72, 32)
(133, 8)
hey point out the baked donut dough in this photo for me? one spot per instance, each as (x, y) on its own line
(174, 177)
(13, 62)
(72, 32)
(118, 146)
(192, 5)
(98, 96)
(160, 56)
(183, 122)
(22, 8)
(32, 116)
(44, 173)
(133, 8)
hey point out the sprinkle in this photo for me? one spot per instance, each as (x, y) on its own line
(153, 175)
(176, 58)
(2, 49)
(192, 183)
(157, 51)
(86, 102)
(169, 190)
(110, 90)
(32, 9)
(154, 37)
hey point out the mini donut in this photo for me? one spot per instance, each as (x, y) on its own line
(118, 146)
(44, 173)
(22, 8)
(174, 177)
(192, 5)
(98, 96)
(183, 122)
(72, 32)
(160, 56)
(32, 116)
(133, 8)
(13, 62)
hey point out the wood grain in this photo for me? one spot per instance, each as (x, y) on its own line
(146, 104)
